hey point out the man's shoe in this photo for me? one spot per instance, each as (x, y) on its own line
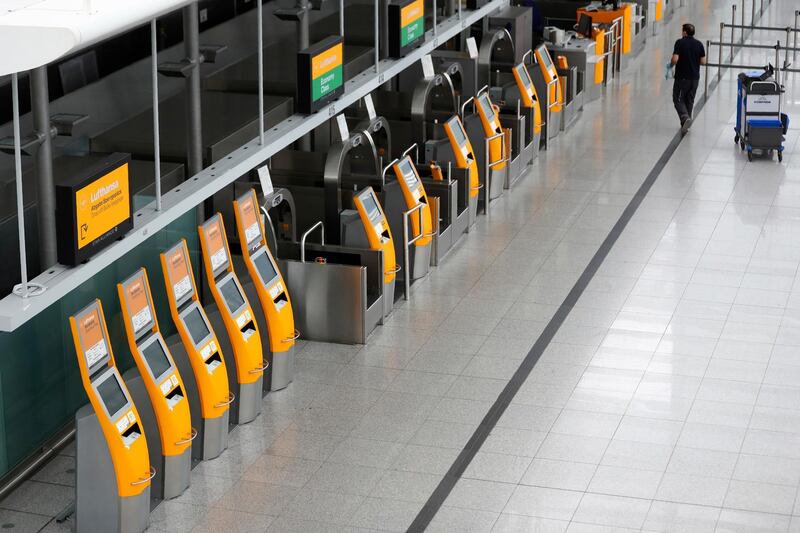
(685, 125)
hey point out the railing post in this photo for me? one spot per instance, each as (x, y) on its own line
(23, 257)
(260, 16)
(719, 51)
(156, 123)
(377, 39)
(733, 29)
(743, 20)
(705, 92)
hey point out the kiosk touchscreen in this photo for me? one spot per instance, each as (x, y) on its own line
(270, 289)
(465, 159)
(158, 389)
(527, 91)
(197, 355)
(379, 237)
(113, 467)
(414, 195)
(234, 315)
(555, 97)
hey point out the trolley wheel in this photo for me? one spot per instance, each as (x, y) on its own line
(736, 139)
(741, 144)
(749, 156)
(780, 157)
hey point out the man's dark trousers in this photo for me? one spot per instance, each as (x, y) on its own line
(683, 93)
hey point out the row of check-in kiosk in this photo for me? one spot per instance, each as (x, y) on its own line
(315, 255)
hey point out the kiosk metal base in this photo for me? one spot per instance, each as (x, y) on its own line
(247, 405)
(177, 473)
(388, 297)
(498, 182)
(212, 433)
(98, 506)
(281, 369)
(421, 262)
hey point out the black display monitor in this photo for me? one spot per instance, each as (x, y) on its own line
(232, 295)
(111, 394)
(156, 358)
(585, 25)
(265, 267)
(196, 325)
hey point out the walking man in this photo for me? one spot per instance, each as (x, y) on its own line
(687, 57)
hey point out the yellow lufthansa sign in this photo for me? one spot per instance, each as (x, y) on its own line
(411, 12)
(102, 205)
(326, 61)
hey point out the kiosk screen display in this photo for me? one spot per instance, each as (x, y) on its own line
(196, 325)
(111, 394)
(545, 56)
(486, 106)
(156, 358)
(408, 173)
(458, 131)
(216, 244)
(265, 267)
(230, 292)
(249, 218)
(371, 206)
(523, 75)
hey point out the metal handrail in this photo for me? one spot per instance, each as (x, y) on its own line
(387, 167)
(407, 244)
(488, 166)
(321, 227)
(294, 337)
(150, 475)
(482, 89)
(415, 147)
(230, 400)
(464, 105)
(264, 366)
(193, 436)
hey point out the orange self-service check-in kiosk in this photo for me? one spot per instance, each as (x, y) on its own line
(465, 159)
(530, 101)
(113, 467)
(555, 94)
(276, 320)
(235, 323)
(368, 227)
(157, 388)
(198, 356)
(499, 145)
(422, 220)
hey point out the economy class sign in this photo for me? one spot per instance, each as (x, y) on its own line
(326, 72)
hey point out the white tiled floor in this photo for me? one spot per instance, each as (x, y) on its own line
(668, 401)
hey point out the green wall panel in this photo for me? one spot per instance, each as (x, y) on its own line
(40, 385)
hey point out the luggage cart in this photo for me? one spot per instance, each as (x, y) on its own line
(760, 125)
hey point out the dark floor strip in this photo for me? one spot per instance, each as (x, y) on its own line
(448, 482)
